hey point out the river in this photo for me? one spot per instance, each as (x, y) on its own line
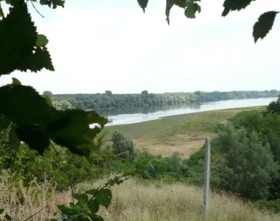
(217, 105)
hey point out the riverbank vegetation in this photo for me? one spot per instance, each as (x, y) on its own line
(108, 100)
(171, 171)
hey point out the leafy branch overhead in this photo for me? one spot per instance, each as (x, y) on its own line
(191, 8)
(21, 46)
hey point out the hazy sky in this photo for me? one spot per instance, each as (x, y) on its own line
(111, 45)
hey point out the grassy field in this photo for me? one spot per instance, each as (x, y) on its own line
(132, 201)
(155, 201)
(181, 133)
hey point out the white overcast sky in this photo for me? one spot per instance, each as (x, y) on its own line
(99, 45)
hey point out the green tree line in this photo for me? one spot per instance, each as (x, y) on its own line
(146, 99)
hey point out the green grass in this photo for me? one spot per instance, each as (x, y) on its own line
(203, 122)
(183, 133)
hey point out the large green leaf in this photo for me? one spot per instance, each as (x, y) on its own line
(93, 205)
(231, 5)
(143, 4)
(70, 128)
(17, 37)
(23, 105)
(37, 122)
(104, 197)
(35, 136)
(264, 25)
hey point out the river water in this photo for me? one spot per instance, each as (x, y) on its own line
(217, 105)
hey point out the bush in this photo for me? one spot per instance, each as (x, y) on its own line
(271, 205)
(122, 147)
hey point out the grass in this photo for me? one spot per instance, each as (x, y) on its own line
(22, 202)
(154, 201)
(181, 133)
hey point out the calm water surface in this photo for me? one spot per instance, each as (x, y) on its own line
(218, 105)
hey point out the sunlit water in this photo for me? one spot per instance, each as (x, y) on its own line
(218, 105)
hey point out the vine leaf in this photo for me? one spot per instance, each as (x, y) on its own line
(232, 5)
(143, 4)
(18, 42)
(191, 9)
(264, 25)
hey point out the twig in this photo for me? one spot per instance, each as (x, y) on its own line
(36, 9)
(35, 213)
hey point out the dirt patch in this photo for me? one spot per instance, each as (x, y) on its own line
(184, 144)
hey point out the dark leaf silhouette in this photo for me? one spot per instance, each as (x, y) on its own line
(143, 4)
(232, 5)
(264, 25)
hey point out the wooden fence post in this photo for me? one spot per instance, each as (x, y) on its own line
(206, 176)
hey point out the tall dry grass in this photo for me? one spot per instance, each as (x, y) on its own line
(138, 201)
(132, 201)
(22, 202)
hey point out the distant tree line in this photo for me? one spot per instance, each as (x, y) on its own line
(146, 99)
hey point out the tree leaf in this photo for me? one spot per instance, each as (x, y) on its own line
(36, 126)
(4, 122)
(180, 3)
(41, 40)
(71, 129)
(1, 11)
(23, 105)
(7, 217)
(14, 142)
(231, 5)
(93, 205)
(16, 81)
(169, 5)
(264, 25)
(35, 136)
(52, 3)
(143, 4)
(37, 61)
(81, 197)
(18, 39)
(104, 197)
(191, 9)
